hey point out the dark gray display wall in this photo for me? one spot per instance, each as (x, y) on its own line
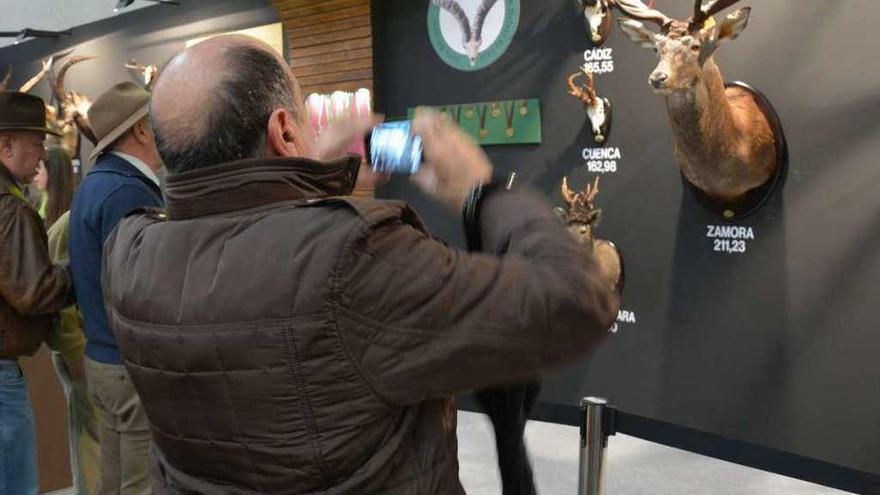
(151, 35)
(778, 346)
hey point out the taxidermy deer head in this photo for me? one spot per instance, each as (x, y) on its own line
(724, 143)
(597, 19)
(598, 108)
(581, 217)
(71, 118)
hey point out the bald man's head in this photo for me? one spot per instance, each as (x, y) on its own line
(212, 103)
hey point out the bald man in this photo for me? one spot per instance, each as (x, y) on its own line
(286, 337)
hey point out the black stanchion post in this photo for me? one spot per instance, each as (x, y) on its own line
(597, 423)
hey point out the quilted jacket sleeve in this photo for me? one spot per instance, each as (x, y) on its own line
(423, 320)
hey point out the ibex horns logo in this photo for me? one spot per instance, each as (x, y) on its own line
(472, 34)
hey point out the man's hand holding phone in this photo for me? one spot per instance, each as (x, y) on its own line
(453, 163)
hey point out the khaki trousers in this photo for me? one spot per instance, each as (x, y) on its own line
(123, 430)
(82, 431)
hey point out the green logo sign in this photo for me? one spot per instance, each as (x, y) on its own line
(472, 34)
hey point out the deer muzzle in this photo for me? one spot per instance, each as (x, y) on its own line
(658, 79)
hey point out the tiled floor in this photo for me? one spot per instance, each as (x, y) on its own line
(633, 466)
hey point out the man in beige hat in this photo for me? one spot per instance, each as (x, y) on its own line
(32, 289)
(123, 179)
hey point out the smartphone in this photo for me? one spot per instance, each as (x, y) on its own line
(394, 149)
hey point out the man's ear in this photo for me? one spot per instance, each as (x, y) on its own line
(5, 145)
(142, 132)
(282, 137)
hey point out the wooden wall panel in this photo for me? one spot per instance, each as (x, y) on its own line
(329, 43)
(50, 414)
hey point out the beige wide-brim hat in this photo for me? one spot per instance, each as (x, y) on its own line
(115, 112)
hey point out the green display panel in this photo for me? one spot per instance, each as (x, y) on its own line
(497, 122)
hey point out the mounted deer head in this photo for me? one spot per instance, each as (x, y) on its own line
(598, 108)
(683, 46)
(597, 19)
(581, 217)
(580, 214)
(71, 117)
(727, 138)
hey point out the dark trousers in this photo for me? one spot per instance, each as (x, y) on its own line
(508, 408)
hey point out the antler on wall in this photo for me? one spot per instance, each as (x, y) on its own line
(8, 77)
(75, 105)
(147, 73)
(73, 108)
(29, 85)
(586, 92)
(638, 10)
(703, 12)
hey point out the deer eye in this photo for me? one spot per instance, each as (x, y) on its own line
(695, 48)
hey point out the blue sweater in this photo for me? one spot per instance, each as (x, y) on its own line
(112, 189)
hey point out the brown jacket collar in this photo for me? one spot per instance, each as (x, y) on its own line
(256, 182)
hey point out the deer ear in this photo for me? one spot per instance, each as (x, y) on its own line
(733, 25)
(638, 33)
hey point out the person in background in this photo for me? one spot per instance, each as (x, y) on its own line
(55, 183)
(287, 337)
(123, 179)
(68, 343)
(32, 289)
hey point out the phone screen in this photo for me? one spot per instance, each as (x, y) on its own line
(394, 149)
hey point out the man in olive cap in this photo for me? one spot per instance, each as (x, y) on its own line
(32, 289)
(122, 180)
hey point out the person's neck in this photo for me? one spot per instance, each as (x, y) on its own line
(136, 153)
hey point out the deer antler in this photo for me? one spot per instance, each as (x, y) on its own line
(148, 73)
(590, 88)
(58, 83)
(572, 87)
(567, 194)
(587, 94)
(591, 191)
(73, 105)
(8, 77)
(638, 10)
(704, 12)
(47, 66)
